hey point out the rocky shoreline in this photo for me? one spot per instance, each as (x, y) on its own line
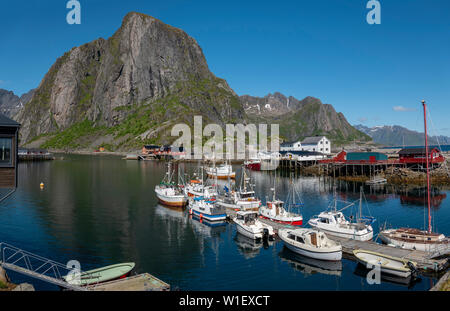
(6, 285)
(398, 176)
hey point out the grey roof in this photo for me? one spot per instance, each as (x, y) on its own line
(303, 153)
(312, 140)
(5, 121)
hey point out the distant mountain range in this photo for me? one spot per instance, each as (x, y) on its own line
(301, 118)
(10, 103)
(394, 135)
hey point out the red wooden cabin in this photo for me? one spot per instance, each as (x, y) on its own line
(418, 155)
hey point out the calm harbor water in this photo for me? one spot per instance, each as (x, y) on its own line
(102, 210)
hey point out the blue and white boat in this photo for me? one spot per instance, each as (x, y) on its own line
(206, 208)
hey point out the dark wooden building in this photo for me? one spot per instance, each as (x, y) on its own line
(417, 156)
(9, 135)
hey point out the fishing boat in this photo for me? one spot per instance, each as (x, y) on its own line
(387, 264)
(206, 208)
(223, 171)
(333, 222)
(247, 224)
(197, 187)
(412, 238)
(242, 199)
(100, 275)
(311, 243)
(168, 192)
(275, 210)
(264, 161)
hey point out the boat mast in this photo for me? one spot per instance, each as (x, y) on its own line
(428, 171)
(360, 203)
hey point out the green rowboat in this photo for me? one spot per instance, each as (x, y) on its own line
(100, 275)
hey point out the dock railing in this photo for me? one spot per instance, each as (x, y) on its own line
(36, 266)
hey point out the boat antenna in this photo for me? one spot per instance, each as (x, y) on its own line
(428, 171)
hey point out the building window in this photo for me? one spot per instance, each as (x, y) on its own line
(5, 151)
(326, 142)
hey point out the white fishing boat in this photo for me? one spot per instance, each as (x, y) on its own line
(197, 187)
(206, 208)
(387, 264)
(275, 210)
(223, 171)
(194, 189)
(242, 199)
(247, 224)
(168, 192)
(311, 243)
(411, 238)
(333, 222)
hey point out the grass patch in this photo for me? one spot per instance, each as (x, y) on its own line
(69, 138)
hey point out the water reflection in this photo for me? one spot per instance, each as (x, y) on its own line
(309, 266)
(102, 210)
(408, 282)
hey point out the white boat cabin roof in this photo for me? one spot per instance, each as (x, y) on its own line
(245, 213)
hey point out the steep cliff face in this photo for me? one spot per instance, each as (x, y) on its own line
(301, 118)
(145, 74)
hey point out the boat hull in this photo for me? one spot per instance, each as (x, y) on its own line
(297, 221)
(102, 275)
(387, 264)
(170, 202)
(254, 166)
(202, 215)
(425, 247)
(248, 234)
(224, 177)
(331, 256)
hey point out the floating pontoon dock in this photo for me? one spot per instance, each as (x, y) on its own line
(425, 261)
(35, 266)
(141, 282)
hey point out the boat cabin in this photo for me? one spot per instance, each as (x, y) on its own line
(9, 140)
(310, 237)
(331, 218)
(247, 217)
(247, 195)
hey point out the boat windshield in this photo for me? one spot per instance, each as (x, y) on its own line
(246, 195)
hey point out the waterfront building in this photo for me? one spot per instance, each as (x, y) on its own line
(313, 144)
(316, 144)
(9, 137)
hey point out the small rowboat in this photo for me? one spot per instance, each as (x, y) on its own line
(388, 264)
(101, 275)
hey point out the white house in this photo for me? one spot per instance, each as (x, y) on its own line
(291, 146)
(316, 143)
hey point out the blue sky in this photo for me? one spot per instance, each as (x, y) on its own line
(319, 48)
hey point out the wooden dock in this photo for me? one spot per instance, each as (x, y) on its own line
(422, 259)
(424, 263)
(141, 282)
